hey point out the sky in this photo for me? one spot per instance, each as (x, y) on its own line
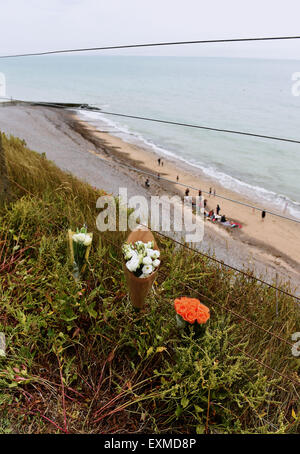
(35, 25)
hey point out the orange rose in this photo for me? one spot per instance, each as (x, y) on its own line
(190, 309)
(190, 315)
(203, 314)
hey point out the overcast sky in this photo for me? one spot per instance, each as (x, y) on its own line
(35, 25)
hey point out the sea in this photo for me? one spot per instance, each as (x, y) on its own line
(242, 94)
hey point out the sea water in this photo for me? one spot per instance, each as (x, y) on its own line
(248, 95)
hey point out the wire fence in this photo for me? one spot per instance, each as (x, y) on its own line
(246, 274)
(157, 44)
(209, 257)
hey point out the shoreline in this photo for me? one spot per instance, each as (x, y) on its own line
(268, 248)
(234, 185)
(146, 160)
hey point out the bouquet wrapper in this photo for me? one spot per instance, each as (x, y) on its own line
(87, 252)
(139, 287)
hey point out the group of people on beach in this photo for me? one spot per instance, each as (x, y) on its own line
(211, 215)
(217, 217)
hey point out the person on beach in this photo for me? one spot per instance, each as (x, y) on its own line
(158, 176)
(263, 215)
(209, 192)
(158, 161)
(147, 183)
(214, 192)
(162, 163)
(205, 203)
(223, 218)
(218, 209)
(211, 215)
(200, 193)
(187, 191)
(177, 178)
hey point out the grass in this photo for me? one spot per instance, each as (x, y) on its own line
(81, 360)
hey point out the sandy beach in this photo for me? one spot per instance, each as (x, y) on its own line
(273, 240)
(270, 247)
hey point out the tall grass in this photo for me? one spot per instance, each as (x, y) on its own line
(80, 359)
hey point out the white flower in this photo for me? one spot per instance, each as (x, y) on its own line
(147, 260)
(88, 240)
(155, 254)
(142, 276)
(140, 254)
(156, 263)
(128, 255)
(140, 247)
(79, 237)
(128, 252)
(139, 244)
(133, 263)
(147, 269)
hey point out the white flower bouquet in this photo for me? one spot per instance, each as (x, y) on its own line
(141, 259)
(141, 264)
(80, 245)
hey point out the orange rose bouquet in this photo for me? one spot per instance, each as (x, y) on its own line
(189, 311)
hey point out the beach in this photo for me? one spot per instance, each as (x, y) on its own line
(269, 248)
